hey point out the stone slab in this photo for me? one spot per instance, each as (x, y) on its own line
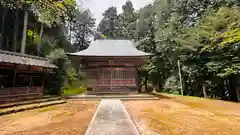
(121, 97)
(111, 118)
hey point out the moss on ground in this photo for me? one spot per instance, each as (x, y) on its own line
(73, 91)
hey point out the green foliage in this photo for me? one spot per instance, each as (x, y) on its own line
(59, 58)
(68, 91)
(65, 75)
(127, 21)
(83, 29)
(172, 84)
(33, 37)
(109, 25)
(203, 34)
(71, 75)
(53, 28)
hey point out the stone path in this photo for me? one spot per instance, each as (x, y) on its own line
(111, 118)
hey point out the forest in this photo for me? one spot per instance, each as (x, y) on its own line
(47, 28)
(195, 42)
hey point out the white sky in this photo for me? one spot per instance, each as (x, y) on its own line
(97, 7)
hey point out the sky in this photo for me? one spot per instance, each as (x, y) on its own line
(97, 7)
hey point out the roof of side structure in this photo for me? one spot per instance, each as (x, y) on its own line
(24, 59)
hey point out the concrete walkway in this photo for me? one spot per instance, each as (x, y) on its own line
(111, 118)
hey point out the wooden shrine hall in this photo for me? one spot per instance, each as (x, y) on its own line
(110, 66)
(22, 75)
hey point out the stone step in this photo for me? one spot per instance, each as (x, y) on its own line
(23, 98)
(122, 97)
(19, 103)
(30, 107)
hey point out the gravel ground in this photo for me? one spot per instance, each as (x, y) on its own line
(67, 119)
(177, 115)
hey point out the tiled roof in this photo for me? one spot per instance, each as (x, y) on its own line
(24, 59)
(113, 48)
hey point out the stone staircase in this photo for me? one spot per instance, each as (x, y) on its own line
(28, 103)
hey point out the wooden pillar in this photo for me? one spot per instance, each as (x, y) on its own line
(30, 81)
(43, 76)
(14, 76)
(138, 81)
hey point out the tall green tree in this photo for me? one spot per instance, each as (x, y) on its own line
(83, 29)
(213, 50)
(109, 25)
(127, 21)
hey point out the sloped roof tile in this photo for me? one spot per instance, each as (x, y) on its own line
(24, 59)
(108, 48)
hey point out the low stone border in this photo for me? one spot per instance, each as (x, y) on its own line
(121, 97)
(30, 107)
(14, 104)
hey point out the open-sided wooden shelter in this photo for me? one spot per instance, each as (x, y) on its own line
(22, 75)
(111, 66)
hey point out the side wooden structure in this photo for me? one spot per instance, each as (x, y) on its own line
(22, 75)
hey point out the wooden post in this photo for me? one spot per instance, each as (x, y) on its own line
(180, 76)
(30, 81)
(14, 76)
(138, 82)
(42, 83)
(14, 80)
(110, 63)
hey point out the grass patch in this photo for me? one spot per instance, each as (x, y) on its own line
(73, 91)
(46, 109)
(63, 114)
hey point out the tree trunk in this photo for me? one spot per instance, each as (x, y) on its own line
(4, 13)
(83, 37)
(159, 85)
(40, 39)
(180, 76)
(138, 82)
(70, 28)
(146, 83)
(33, 32)
(24, 35)
(7, 44)
(233, 94)
(204, 90)
(15, 35)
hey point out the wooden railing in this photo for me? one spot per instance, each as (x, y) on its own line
(21, 91)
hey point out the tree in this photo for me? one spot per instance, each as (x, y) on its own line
(43, 25)
(127, 21)
(83, 29)
(63, 73)
(109, 25)
(213, 48)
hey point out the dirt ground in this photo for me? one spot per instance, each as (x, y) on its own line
(67, 119)
(177, 115)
